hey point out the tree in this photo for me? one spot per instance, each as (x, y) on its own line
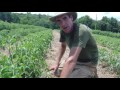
(6, 16)
(86, 20)
(15, 18)
(114, 25)
(105, 19)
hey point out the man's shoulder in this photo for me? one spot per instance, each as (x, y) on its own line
(84, 27)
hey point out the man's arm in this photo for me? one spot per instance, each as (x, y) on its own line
(70, 62)
(61, 53)
(58, 59)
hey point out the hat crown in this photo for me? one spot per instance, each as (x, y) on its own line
(74, 14)
(59, 13)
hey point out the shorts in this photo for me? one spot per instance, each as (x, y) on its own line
(84, 70)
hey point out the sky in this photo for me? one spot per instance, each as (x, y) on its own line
(91, 14)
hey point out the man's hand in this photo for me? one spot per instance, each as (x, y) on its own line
(54, 68)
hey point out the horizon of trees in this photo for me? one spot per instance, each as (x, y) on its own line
(105, 24)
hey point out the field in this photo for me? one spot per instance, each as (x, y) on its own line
(109, 48)
(23, 49)
(26, 51)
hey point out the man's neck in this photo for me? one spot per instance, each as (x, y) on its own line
(73, 27)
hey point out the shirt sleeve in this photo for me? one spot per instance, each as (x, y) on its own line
(81, 39)
(62, 36)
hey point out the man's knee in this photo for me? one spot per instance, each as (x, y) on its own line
(84, 72)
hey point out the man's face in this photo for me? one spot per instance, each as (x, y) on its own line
(65, 22)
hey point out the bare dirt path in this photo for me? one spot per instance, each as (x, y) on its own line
(53, 52)
(4, 52)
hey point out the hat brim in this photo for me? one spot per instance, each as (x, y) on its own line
(74, 14)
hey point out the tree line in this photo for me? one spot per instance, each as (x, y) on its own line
(28, 18)
(105, 24)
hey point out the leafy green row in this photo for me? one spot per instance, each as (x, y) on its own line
(27, 57)
(10, 26)
(111, 59)
(15, 34)
(109, 42)
(109, 52)
(106, 33)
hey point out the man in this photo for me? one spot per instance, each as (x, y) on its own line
(83, 56)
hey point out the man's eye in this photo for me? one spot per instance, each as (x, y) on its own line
(65, 18)
(58, 21)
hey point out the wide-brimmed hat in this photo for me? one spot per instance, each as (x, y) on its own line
(74, 14)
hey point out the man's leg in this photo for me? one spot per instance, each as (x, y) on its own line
(83, 71)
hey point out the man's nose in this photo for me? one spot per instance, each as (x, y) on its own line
(62, 23)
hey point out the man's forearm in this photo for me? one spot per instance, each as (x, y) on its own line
(70, 62)
(68, 68)
(62, 51)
